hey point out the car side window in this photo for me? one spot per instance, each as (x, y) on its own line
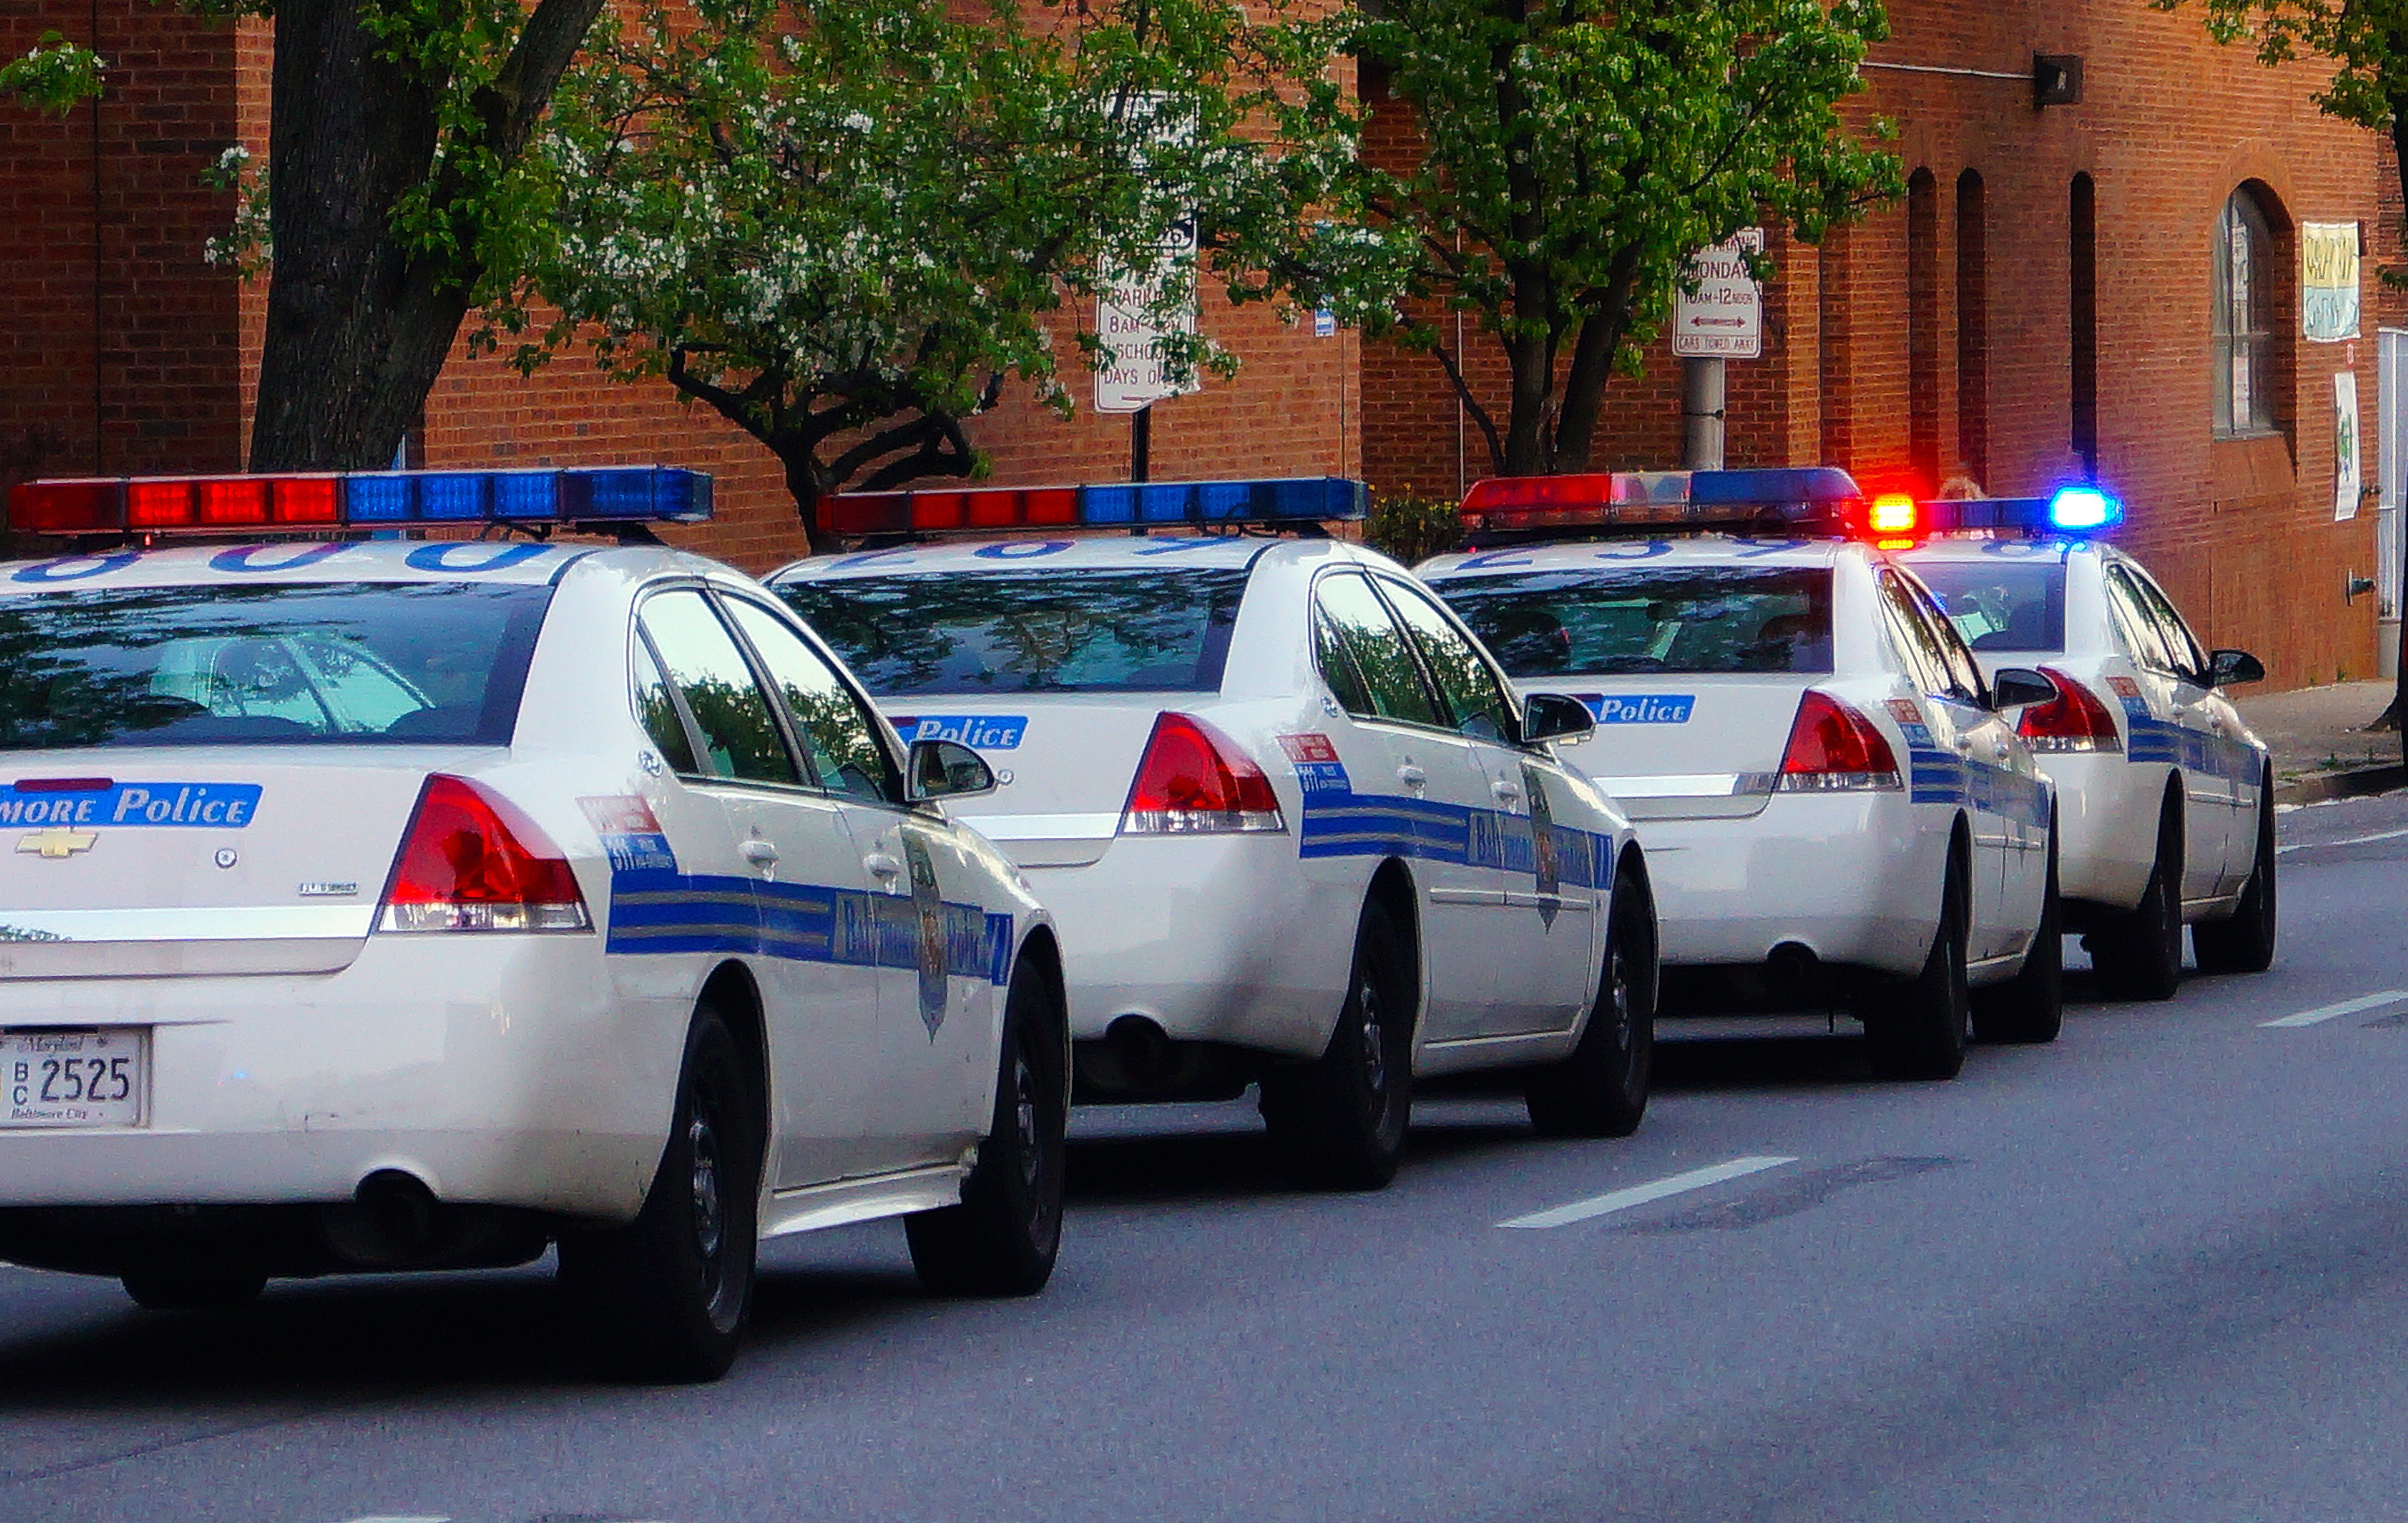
(2142, 636)
(738, 729)
(657, 708)
(2189, 659)
(839, 736)
(1471, 688)
(1956, 659)
(1391, 679)
(1337, 667)
(1923, 663)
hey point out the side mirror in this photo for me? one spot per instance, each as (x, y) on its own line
(946, 769)
(2019, 687)
(1552, 716)
(2226, 669)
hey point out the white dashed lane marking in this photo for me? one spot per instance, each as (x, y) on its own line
(2346, 840)
(2347, 1007)
(1639, 1195)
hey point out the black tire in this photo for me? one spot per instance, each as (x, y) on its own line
(665, 1299)
(2030, 1007)
(1918, 1029)
(1600, 1090)
(188, 1287)
(2244, 941)
(2139, 954)
(1002, 1239)
(1338, 1123)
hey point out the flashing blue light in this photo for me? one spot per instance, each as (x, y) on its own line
(378, 498)
(1772, 488)
(453, 496)
(526, 493)
(2084, 510)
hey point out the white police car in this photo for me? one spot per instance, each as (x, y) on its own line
(1296, 827)
(2166, 798)
(391, 905)
(1835, 805)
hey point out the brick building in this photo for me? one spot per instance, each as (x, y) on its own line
(2044, 305)
(2043, 308)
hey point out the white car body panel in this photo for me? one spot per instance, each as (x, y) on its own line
(2174, 733)
(1247, 940)
(297, 1051)
(1742, 867)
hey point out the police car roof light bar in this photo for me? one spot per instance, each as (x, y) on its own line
(359, 499)
(1119, 504)
(1815, 500)
(2076, 512)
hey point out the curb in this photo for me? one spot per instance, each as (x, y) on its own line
(2322, 787)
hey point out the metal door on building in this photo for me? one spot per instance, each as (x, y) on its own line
(2391, 445)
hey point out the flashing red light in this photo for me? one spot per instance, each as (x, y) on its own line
(67, 506)
(1895, 512)
(2075, 720)
(935, 511)
(160, 503)
(1834, 748)
(309, 499)
(232, 501)
(1193, 780)
(471, 861)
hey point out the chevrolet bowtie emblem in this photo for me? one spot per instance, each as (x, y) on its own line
(58, 842)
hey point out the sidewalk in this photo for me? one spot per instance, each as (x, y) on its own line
(2321, 747)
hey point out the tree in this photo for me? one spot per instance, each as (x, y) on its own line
(397, 196)
(846, 225)
(2367, 43)
(1577, 152)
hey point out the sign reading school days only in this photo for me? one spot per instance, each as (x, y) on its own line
(1723, 318)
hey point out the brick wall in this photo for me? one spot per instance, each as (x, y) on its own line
(2243, 531)
(118, 346)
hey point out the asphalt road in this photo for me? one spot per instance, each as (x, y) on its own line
(2157, 1271)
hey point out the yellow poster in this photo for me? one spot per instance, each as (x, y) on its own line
(2328, 282)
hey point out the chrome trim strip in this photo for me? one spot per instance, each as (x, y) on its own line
(1043, 827)
(214, 923)
(1680, 786)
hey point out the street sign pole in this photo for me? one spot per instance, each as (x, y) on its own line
(1702, 393)
(1141, 443)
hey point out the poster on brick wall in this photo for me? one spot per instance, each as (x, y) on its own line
(2328, 282)
(2348, 478)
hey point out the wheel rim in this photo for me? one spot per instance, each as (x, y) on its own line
(1024, 1111)
(710, 1208)
(1375, 1038)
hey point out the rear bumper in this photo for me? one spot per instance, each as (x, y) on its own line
(1853, 878)
(506, 1071)
(1221, 939)
(2107, 825)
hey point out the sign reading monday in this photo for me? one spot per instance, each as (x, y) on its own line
(1723, 317)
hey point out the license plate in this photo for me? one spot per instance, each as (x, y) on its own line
(73, 1078)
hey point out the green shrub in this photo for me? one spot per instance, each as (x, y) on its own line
(1412, 527)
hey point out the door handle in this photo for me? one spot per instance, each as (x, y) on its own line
(1965, 744)
(881, 866)
(2001, 751)
(1411, 776)
(761, 853)
(1506, 793)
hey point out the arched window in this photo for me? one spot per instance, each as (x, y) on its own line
(2081, 269)
(1972, 326)
(1923, 327)
(2247, 274)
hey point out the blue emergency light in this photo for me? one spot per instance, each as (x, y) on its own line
(1134, 505)
(2077, 511)
(374, 500)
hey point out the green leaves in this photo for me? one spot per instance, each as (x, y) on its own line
(846, 224)
(2366, 40)
(1577, 152)
(53, 76)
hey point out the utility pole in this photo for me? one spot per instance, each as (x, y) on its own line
(1702, 395)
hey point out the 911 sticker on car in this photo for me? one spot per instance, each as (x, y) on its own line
(1318, 770)
(632, 838)
(223, 806)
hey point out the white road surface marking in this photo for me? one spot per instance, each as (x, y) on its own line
(2334, 1013)
(1639, 1194)
(2346, 840)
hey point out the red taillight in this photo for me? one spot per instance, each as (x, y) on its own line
(1833, 748)
(1195, 781)
(2075, 720)
(472, 862)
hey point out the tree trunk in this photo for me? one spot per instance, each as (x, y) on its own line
(358, 324)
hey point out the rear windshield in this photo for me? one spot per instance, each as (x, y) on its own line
(2000, 605)
(406, 662)
(1677, 619)
(1150, 630)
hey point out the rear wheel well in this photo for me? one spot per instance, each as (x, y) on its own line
(1392, 889)
(1040, 949)
(1960, 864)
(730, 991)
